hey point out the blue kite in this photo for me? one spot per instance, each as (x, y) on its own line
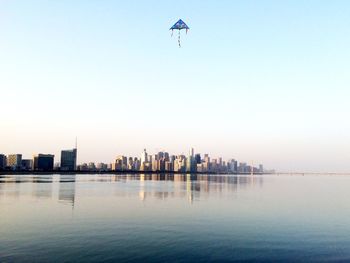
(179, 25)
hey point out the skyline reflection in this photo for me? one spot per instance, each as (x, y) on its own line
(137, 213)
(65, 188)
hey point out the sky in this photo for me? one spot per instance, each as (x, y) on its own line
(259, 81)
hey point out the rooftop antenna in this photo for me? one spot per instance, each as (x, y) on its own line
(76, 142)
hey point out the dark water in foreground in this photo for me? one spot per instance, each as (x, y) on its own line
(104, 218)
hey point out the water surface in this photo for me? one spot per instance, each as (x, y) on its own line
(174, 218)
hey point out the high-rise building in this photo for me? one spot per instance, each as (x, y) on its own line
(161, 165)
(191, 153)
(102, 167)
(14, 161)
(120, 164)
(166, 156)
(261, 168)
(136, 164)
(3, 161)
(169, 166)
(232, 166)
(191, 165)
(91, 166)
(243, 168)
(200, 167)
(205, 166)
(220, 165)
(69, 160)
(155, 165)
(44, 162)
(160, 155)
(144, 157)
(83, 167)
(198, 159)
(27, 164)
(130, 163)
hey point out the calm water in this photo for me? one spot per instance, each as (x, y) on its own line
(104, 218)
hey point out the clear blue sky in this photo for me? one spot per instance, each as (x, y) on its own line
(266, 81)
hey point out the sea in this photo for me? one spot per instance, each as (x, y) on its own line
(175, 218)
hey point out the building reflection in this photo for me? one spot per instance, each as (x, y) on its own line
(142, 193)
(42, 186)
(66, 192)
(192, 187)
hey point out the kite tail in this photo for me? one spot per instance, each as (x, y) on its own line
(179, 39)
(172, 32)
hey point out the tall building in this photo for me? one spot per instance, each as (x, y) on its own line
(155, 165)
(243, 168)
(91, 166)
(232, 166)
(169, 166)
(191, 153)
(131, 164)
(14, 161)
(120, 164)
(27, 164)
(166, 156)
(198, 158)
(191, 164)
(261, 168)
(69, 160)
(160, 155)
(3, 161)
(161, 165)
(136, 164)
(44, 162)
(102, 167)
(144, 157)
(83, 167)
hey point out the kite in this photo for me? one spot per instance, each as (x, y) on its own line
(179, 25)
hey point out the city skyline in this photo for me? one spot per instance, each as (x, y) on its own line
(265, 81)
(161, 161)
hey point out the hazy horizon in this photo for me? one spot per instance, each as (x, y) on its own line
(256, 81)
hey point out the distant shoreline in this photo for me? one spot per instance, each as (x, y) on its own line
(7, 172)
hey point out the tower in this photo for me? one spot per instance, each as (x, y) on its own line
(144, 156)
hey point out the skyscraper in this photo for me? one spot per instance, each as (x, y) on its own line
(261, 168)
(191, 164)
(27, 164)
(43, 162)
(198, 158)
(120, 164)
(232, 165)
(14, 161)
(131, 163)
(144, 157)
(191, 153)
(69, 160)
(3, 161)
